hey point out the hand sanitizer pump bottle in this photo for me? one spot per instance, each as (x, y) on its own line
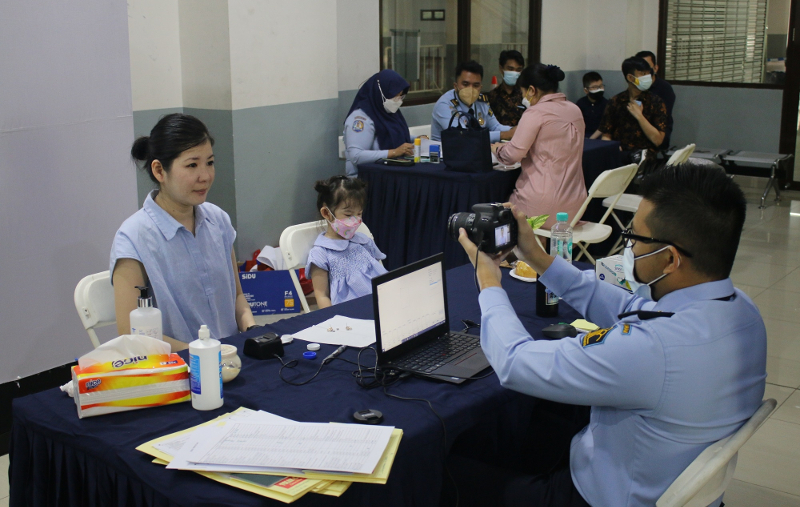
(205, 358)
(146, 319)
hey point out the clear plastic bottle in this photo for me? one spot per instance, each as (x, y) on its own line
(561, 238)
(205, 358)
(146, 319)
(560, 246)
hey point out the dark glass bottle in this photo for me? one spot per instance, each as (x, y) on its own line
(546, 301)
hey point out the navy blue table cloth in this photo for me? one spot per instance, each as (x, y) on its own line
(57, 459)
(408, 207)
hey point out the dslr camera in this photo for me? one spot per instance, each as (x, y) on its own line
(491, 226)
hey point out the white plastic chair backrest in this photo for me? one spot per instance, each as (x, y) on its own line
(342, 149)
(681, 156)
(94, 300)
(706, 478)
(419, 130)
(296, 241)
(612, 182)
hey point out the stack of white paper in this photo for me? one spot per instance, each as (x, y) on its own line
(261, 442)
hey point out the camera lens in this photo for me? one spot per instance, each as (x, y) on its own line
(459, 220)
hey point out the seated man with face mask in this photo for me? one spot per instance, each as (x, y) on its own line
(637, 118)
(674, 367)
(466, 97)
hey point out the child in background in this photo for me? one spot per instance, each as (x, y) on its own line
(593, 105)
(342, 262)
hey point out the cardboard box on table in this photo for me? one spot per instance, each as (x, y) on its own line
(270, 292)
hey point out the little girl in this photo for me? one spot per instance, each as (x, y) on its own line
(342, 262)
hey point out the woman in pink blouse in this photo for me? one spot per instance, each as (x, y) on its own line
(549, 143)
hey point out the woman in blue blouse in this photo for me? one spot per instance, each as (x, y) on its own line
(178, 244)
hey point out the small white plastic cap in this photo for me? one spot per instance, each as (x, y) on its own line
(313, 346)
(204, 333)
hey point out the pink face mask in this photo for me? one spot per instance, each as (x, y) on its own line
(346, 228)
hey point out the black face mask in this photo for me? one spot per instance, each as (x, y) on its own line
(596, 95)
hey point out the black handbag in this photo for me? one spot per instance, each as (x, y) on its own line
(466, 149)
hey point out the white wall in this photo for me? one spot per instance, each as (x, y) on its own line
(205, 54)
(283, 52)
(155, 54)
(68, 183)
(591, 35)
(357, 23)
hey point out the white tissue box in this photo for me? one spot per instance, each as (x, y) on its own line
(130, 384)
(610, 270)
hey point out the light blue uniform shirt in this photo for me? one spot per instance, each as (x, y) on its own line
(661, 389)
(351, 265)
(191, 276)
(361, 144)
(449, 103)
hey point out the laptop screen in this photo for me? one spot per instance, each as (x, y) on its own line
(410, 305)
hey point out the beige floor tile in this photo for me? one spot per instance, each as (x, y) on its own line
(783, 339)
(789, 411)
(758, 274)
(743, 494)
(778, 393)
(774, 238)
(790, 282)
(783, 372)
(751, 290)
(779, 304)
(3, 476)
(755, 251)
(771, 458)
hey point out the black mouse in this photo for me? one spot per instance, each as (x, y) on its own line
(558, 331)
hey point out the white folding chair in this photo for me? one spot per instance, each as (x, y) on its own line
(419, 130)
(94, 300)
(706, 478)
(612, 184)
(681, 156)
(295, 243)
(630, 202)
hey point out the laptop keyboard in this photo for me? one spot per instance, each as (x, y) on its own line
(438, 352)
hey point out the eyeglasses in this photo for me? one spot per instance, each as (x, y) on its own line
(631, 239)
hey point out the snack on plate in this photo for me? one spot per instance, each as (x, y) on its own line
(524, 270)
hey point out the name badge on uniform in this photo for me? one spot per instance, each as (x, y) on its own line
(358, 126)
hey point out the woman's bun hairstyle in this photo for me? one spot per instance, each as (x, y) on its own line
(140, 148)
(542, 77)
(555, 73)
(172, 135)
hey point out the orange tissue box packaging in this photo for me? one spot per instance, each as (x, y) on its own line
(130, 384)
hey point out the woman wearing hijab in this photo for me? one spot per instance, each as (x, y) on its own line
(549, 144)
(375, 127)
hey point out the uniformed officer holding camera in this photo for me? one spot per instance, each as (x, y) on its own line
(674, 367)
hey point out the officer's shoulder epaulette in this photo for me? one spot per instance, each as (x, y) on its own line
(454, 102)
(483, 98)
(645, 314)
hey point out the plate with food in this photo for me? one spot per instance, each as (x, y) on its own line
(523, 272)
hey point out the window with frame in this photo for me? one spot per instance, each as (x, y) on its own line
(423, 40)
(724, 41)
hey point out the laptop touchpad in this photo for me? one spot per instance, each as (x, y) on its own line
(472, 361)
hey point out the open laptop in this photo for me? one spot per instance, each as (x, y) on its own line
(412, 325)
